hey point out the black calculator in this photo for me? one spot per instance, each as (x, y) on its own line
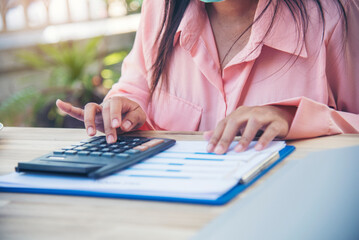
(95, 158)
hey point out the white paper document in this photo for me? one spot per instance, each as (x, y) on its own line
(186, 170)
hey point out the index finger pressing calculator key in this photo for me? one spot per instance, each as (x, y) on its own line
(94, 158)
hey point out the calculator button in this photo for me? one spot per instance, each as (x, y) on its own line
(132, 151)
(59, 152)
(80, 148)
(141, 148)
(118, 150)
(122, 155)
(133, 144)
(84, 153)
(67, 148)
(70, 152)
(98, 141)
(153, 142)
(108, 154)
(89, 145)
(96, 154)
(76, 145)
(105, 150)
(144, 140)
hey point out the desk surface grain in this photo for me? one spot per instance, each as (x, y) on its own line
(35, 216)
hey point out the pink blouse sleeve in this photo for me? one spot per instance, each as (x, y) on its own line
(314, 119)
(133, 83)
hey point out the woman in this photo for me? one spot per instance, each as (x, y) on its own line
(283, 67)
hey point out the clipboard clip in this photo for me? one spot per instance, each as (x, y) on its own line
(250, 175)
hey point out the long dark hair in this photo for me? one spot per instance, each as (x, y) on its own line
(175, 9)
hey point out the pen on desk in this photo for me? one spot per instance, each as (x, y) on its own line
(260, 167)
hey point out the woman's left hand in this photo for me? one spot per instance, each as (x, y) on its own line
(274, 121)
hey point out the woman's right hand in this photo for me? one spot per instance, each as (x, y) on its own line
(114, 116)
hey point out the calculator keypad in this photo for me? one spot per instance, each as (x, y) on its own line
(97, 146)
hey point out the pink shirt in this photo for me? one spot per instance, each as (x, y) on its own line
(322, 82)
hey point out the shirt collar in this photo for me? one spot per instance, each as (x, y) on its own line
(191, 25)
(283, 35)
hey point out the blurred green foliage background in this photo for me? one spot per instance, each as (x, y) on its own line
(78, 74)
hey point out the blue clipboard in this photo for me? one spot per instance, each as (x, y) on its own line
(219, 201)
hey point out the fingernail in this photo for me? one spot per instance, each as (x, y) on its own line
(90, 131)
(110, 139)
(126, 125)
(115, 123)
(239, 148)
(210, 147)
(258, 147)
(219, 149)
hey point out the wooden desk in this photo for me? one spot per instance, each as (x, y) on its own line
(35, 216)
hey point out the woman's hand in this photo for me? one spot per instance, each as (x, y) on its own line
(113, 116)
(274, 121)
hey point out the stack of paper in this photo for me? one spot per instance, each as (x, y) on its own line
(184, 171)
